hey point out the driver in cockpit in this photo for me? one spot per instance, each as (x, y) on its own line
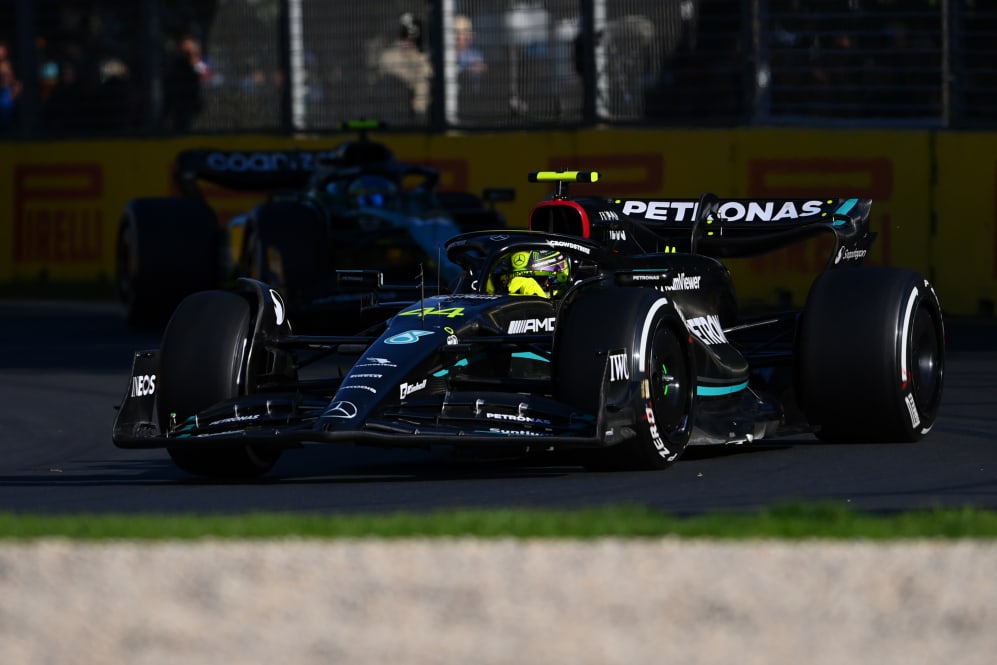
(544, 273)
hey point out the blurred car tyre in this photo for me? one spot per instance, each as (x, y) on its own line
(286, 246)
(166, 248)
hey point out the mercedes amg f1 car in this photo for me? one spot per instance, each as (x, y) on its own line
(355, 205)
(627, 347)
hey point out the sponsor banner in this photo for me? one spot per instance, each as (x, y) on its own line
(58, 219)
(60, 203)
(891, 168)
(964, 254)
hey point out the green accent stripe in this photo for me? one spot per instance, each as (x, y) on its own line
(529, 355)
(708, 391)
(846, 207)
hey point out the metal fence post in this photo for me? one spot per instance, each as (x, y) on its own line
(152, 61)
(589, 75)
(437, 105)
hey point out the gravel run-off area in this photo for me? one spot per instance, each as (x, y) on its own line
(501, 601)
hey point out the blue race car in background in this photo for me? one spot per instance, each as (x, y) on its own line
(353, 206)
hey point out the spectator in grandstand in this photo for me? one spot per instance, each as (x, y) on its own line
(62, 108)
(10, 92)
(192, 48)
(185, 72)
(469, 59)
(260, 93)
(115, 106)
(48, 78)
(533, 90)
(61, 99)
(470, 103)
(406, 61)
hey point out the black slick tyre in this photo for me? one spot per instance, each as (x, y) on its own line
(165, 249)
(201, 361)
(651, 372)
(286, 246)
(871, 355)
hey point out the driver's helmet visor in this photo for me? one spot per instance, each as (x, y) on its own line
(550, 268)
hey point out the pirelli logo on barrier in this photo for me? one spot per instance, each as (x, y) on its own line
(57, 213)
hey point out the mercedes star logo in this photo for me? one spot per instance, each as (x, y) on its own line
(341, 410)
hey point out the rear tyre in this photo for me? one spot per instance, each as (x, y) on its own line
(201, 361)
(656, 378)
(286, 246)
(871, 355)
(166, 248)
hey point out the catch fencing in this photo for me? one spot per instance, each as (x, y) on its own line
(124, 67)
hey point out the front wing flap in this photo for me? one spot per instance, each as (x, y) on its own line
(136, 418)
(452, 418)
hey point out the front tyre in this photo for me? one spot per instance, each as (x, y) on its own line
(666, 422)
(871, 355)
(650, 372)
(201, 361)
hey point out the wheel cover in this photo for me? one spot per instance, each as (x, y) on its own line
(925, 362)
(667, 373)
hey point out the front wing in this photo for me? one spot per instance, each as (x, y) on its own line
(463, 418)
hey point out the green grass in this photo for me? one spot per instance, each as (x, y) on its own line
(831, 521)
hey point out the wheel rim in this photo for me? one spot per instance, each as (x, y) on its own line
(925, 362)
(667, 372)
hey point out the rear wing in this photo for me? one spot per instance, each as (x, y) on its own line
(760, 213)
(259, 170)
(747, 227)
(267, 170)
(709, 225)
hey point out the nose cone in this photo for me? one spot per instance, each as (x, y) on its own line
(341, 414)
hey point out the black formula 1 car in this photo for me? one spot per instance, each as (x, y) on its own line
(624, 341)
(352, 206)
